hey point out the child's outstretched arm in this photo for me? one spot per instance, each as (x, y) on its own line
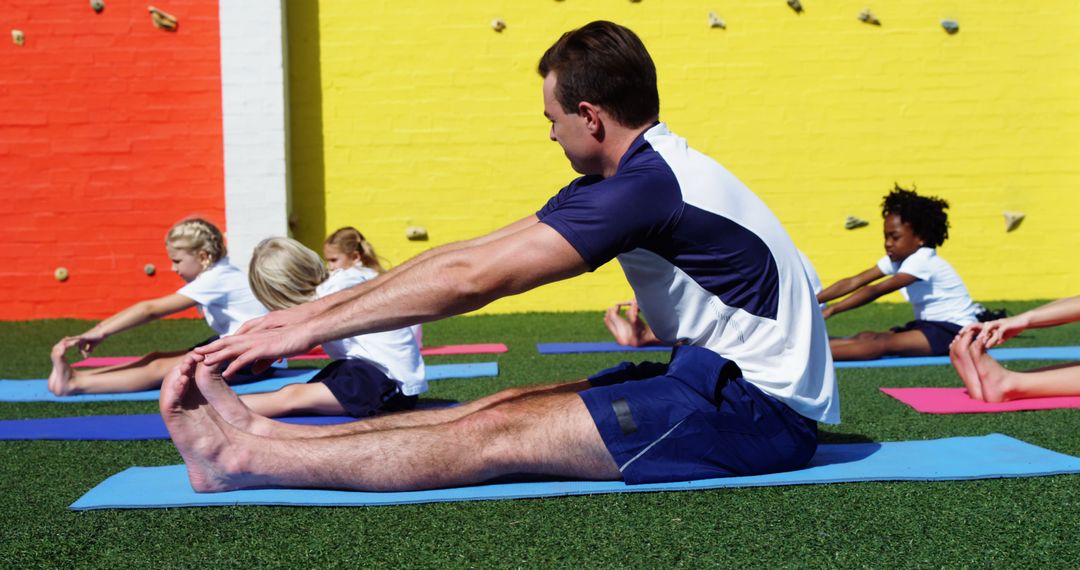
(138, 314)
(1052, 314)
(868, 293)
(849, 284)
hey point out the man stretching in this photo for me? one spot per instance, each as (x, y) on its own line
(712, 269)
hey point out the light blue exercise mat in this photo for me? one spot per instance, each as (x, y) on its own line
(37, 390)
(958, 458)
(1027, 353)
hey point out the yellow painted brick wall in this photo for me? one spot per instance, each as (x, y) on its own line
(419, 113)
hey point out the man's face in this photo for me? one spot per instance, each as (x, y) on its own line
(571, 132)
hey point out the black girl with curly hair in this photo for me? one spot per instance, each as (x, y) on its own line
(914, 227)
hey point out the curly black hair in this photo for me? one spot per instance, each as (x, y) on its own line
(926, 214)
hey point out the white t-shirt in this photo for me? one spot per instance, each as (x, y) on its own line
(939, 294)
(396, 353)
(811, 276)
(224, 297)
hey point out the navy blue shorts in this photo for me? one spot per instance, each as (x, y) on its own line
(938, 333)
(695, 418)
(362, 389)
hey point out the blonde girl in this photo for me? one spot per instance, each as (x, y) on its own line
(347, 247)
(220, 291)
(371, 373)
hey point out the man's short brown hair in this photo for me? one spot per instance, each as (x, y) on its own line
(605, 64)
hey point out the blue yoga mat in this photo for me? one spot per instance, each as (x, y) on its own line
(114, 428)
(38, 391)
(578, 347)
(132, 427)
(1029, 353)
(986, 457)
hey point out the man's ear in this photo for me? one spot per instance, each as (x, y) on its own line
(593, 119)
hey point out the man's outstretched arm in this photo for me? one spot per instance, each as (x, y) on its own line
(444, 283)
(307, 311)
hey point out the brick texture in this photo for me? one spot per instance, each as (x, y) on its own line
(110, 131)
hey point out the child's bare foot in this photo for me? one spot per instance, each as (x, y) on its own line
(994, 379)
(227, 404)
(211, 448)
(960, 356)
(60, 378)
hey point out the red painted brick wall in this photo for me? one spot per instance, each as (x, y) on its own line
(110, 131)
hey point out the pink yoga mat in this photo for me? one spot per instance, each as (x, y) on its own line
(956, 401)
(318, 354)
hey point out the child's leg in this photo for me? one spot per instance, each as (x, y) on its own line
(314, 398)
(146, 374)
(869, 345)
(1001, 385)
(960, 356)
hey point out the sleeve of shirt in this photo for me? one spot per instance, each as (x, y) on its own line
(918, 264)
(887, 266)
(602, 218)
(204, 290)
(339, 280)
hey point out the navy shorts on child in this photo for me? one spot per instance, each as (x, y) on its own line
(939, 334)
(362, 389)
(694, 418)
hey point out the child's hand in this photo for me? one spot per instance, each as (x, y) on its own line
(631, 331)
(993, 333)
(87, 341)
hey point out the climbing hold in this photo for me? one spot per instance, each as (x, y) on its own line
(97, 5)
(498, 25)
(18, 37)
(851, 222)
(1012, 220)
(61, 274)
(716, 22)
(866, 16)
(163, 20)
(951, 26)
(416, 233)
(795, 5)
(149, 269)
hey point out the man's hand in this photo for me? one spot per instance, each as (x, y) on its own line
(284, 318)
(259, 349)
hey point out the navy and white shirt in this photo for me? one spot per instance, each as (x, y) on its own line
(710, 265)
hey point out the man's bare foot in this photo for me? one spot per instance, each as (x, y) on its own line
(228, 405)
(60, 379)
(209, 445)
(960, 356)
(995, 380)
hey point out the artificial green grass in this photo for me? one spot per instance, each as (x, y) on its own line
(995, 523)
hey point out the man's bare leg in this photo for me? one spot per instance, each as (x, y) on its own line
(549, 434)
(1001, 385)
(232, 408)
(960, 356)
